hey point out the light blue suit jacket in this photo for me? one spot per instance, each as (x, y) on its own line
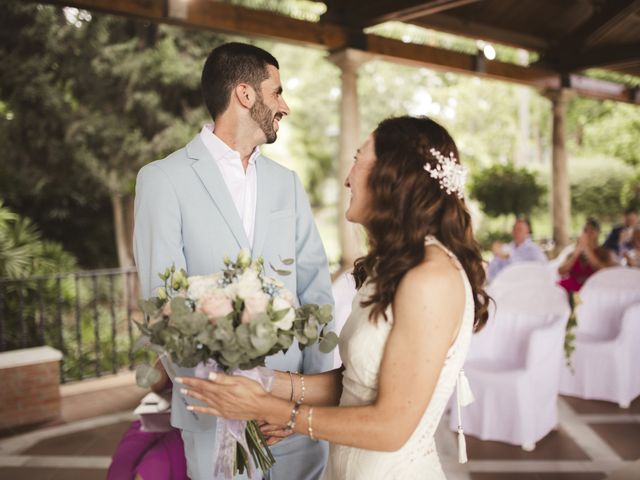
(185, 215)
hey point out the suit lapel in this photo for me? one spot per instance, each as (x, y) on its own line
(262, 207)
(210, 175)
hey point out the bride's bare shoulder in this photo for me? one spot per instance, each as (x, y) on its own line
(434, 286)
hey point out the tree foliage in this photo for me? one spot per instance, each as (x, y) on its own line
(505, 189)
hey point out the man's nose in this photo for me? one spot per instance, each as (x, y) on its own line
(284, 108)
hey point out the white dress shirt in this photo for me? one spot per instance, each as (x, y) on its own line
(243, 186)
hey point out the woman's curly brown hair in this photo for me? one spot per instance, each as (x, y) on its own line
(407, 205)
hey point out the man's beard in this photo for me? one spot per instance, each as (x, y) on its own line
(264, 117)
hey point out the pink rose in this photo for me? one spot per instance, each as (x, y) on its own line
(253, 305)
(215, 305)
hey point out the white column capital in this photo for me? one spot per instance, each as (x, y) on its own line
(349, 59)
(177, 9)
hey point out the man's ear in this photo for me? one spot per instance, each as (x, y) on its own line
(245, 94)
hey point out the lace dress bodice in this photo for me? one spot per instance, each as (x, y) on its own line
(362, 344)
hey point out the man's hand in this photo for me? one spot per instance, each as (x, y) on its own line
(274, 433)
(498, 250)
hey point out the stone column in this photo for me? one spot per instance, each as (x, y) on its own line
(349, 61)
(560, 191)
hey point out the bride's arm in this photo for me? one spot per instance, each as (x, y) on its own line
(319, 389)
(428, 307)
(427, 311)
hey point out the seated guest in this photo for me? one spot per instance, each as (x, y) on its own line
(521, 249)
(631, 253)
(150, 455)
(620, 235)
(586, 259)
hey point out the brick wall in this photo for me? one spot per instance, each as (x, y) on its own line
(29, 387)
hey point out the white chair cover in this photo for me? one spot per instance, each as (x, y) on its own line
(605, 360)
(513, 366)
(344, 291)
(524, 272)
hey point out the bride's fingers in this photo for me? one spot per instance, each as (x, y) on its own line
(200, 384)
(198, 396)
(280, 433)
(268, 428)
(205, 410)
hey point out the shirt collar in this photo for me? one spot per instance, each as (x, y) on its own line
(219, 150)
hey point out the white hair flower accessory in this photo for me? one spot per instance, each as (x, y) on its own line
(450, 174)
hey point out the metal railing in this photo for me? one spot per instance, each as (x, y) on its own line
(87, 315)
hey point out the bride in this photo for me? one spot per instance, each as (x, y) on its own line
(419, 299)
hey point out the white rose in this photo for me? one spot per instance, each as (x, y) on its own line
(248, 284)
(199, 285)
(286, 322)
(287, 295)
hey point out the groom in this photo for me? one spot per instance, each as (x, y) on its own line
(219, 194)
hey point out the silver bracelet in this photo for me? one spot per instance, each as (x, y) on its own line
(291, 379)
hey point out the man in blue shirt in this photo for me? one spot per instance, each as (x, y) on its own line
(521, 249)
(620, 236)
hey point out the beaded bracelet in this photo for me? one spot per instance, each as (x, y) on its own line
(291, 424)
(302, 389)
(310, 424)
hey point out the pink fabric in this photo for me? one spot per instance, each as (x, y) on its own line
(152, 455)
(580, 271)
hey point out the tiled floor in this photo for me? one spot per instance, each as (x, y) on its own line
(594, 440)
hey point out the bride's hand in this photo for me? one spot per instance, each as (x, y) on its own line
(232, 397)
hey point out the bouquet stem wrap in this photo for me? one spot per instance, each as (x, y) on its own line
(232, 434)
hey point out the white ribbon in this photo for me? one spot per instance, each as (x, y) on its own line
(464, 397)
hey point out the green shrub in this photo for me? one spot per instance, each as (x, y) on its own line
(630, 194)
(505, 189)
(597, 193)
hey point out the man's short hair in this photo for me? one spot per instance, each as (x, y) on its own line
(522, 218)
(226, 67)
(630, 210)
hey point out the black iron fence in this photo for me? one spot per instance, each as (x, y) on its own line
(87, 315)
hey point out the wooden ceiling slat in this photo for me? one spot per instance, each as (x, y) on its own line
(372, 13)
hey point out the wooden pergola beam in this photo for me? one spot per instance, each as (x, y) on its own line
(477, 30)
(382, 11)
(238, 20)
(576, 51)
(605, 19)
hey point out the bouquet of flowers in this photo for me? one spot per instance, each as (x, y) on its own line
(231, 321)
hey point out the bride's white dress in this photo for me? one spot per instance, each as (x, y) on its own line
(362, 344)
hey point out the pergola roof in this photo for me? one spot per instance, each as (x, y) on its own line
(569, 36)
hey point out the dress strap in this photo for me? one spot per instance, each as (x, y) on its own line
(464, 396)
(431, 240)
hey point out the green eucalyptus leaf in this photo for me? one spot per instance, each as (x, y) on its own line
(149, 306)
(325, 314)
(243, 336)
(146, 375)
(279, 314)
(311, 331)
(142, 342)
(329, 342)
(287, 261)
(285, 339)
